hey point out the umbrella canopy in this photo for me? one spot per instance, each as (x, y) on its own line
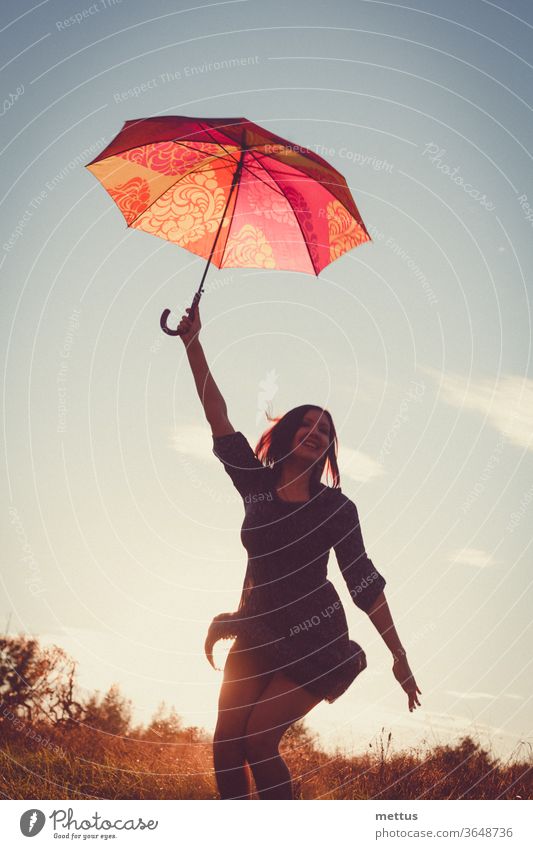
(229, 190)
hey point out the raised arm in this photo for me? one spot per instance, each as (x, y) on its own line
(212, 400)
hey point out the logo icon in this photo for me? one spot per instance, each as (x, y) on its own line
(32, 822)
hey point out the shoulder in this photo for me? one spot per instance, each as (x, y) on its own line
(336, 498)
(340, 508)
(231, 441)
(234, 449)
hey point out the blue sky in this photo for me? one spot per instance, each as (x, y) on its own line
(121, 530)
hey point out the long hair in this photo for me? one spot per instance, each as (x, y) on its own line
(275, 445)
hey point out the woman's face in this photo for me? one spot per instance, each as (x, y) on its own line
(312, 438)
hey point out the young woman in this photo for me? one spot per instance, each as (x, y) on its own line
(292, 647)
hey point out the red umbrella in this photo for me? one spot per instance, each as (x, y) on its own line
(229, 190)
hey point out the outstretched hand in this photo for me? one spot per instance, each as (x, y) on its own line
(190, 328)
(405, 678)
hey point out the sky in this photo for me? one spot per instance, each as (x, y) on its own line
(120, 527)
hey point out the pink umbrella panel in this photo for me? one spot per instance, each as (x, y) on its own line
(232, 192)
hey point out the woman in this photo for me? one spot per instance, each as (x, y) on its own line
(292, 648)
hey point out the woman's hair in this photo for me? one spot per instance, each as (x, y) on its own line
(276, 444)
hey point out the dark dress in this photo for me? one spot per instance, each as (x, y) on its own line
(288, 607)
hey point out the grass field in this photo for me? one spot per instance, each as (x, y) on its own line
(42, 762)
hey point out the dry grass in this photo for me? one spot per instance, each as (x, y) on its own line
(90, 764)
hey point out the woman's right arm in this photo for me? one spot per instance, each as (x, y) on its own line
(212, 400)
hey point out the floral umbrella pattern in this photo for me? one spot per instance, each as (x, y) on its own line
(172, 177)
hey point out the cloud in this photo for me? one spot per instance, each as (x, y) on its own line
(358, 466)
(472, 557)
(459, 695)
(193, 440)
(505, 401)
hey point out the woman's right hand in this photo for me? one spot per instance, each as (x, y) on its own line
(190, 328)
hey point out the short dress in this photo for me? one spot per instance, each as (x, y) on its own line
(289, 610)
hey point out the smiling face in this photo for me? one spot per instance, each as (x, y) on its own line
(313, 437)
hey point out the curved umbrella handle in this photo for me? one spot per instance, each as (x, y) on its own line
(165, 314)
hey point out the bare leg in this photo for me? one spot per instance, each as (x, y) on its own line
(245, 678)
(281, 703)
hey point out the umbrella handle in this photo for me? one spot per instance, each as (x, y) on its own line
(165, 314)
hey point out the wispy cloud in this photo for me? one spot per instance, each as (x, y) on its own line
(505, 401)
(193, 440)
(358, 466)
(472, 695)
(472, 557)
(459, 695)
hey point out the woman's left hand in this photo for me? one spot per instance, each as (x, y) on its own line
(402, 672)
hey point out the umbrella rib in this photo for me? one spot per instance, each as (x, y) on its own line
(211, 156)
(199, 170)
(193, 171)
(228, 153)
(217, 142)
(237, 160)
(145, 144)
(172, 185)
(303, 151)
(234, 208)
(325, 185)
(293, 209)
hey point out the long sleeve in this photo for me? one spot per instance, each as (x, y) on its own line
(236, 454)
(363, 580)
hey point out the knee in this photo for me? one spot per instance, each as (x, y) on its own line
(261, 745)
